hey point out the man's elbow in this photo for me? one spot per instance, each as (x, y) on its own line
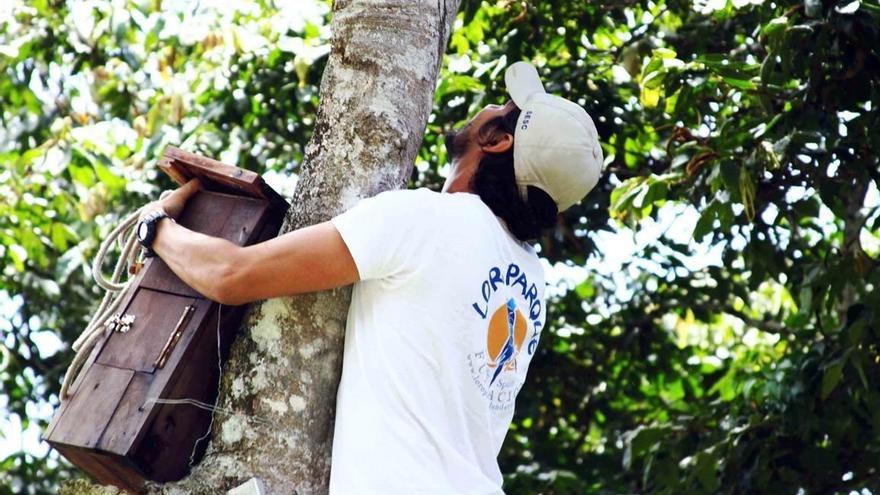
(226, 297)
(230, 286)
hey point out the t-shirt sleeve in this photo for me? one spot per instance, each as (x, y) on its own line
(390, 234)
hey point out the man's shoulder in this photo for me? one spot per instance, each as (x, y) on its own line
(417, 202)
(425, 194)
(466, 211)
(420, 194)
(424, 198)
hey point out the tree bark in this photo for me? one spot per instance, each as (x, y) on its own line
(278, 391)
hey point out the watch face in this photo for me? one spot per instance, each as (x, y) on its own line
(142, 231)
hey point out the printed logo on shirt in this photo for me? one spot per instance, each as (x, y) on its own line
(513, 326)
(507, 331)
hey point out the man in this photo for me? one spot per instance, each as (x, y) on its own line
(448, 302)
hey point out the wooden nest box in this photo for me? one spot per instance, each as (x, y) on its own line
(116, 425)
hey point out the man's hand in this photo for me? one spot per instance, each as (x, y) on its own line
(173, 204)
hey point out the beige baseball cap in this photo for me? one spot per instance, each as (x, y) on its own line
(556, 146)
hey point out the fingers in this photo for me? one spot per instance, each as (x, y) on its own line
(150, 208)
(188, 190)
(191, 186)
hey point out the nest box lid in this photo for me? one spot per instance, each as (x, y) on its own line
(216, 176)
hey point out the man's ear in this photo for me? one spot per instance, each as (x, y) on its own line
(502, 142)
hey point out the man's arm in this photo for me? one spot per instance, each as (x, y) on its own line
(306, 260)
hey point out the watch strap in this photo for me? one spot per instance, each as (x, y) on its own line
(151, 221)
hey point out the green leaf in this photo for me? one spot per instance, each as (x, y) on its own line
(831, 378)
(739, 83)
(81, 174)
(111, 180)
(856, 332)
(705, 469)
(657, 191)
(18, 255)
(649, 97)
(60, 235)
(641, 439)
(706, 222)
(776, 25)
(726, 386)
(664, 53)
(861, 371)
(585, 290)
(622, 196)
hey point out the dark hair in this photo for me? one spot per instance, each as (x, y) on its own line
(495, 183)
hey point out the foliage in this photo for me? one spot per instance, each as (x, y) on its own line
(745, 359)
(732, 348)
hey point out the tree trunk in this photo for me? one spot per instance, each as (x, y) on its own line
(278, 392)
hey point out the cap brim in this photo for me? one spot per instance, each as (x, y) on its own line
(522, 82)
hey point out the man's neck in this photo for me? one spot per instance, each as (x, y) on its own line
(462, 170)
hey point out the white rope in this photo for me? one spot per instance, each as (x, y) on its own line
(125, 236)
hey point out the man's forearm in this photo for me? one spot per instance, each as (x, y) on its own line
(203, 262)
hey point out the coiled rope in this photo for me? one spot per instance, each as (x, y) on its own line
(126, 237)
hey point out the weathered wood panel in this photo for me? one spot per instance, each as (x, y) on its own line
(84, 421)
(156, 317)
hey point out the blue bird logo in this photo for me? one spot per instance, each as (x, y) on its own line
(509, 348)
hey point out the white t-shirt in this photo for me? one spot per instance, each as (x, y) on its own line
(441, 330)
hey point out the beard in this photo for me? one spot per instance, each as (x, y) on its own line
(456, 142)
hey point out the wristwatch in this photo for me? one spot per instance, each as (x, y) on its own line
(146, 231)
